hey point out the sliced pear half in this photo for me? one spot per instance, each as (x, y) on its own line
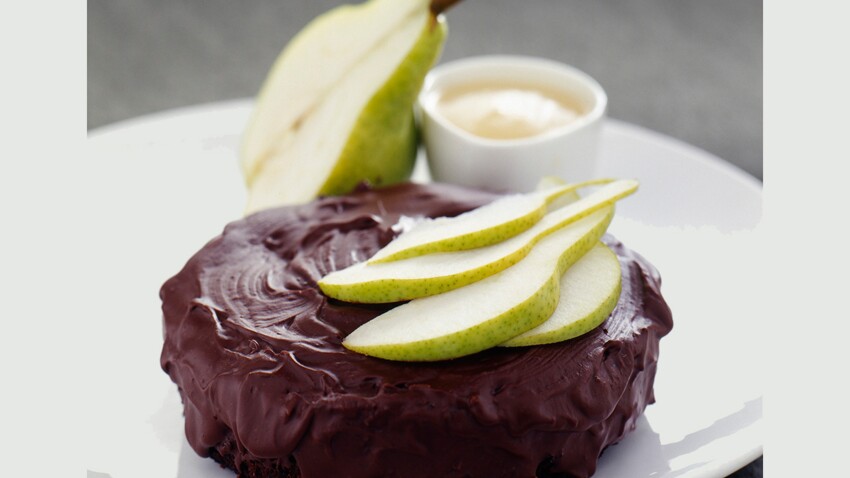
(337, 107)
(590, 290)
(486, 313)
(486, 225)
(433, 274)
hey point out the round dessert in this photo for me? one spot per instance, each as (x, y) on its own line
(269, 390)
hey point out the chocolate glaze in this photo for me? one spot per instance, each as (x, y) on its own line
(267, 387)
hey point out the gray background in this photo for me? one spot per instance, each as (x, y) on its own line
(691, 69)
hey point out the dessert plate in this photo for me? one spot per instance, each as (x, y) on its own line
(174, 182)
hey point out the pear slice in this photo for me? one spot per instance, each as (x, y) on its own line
(548, 182)
(337, 107)
(486, 225)
(434, 274)
(484, 314)
(590, 290)
(437, 273)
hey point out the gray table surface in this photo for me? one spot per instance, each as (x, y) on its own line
(691, 69)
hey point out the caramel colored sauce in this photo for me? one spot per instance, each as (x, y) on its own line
(507, 111)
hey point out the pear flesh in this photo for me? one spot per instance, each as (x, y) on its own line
(486, 313)
(336, 109)
(589, 293)
(486, 225)
(437, 273)
(548, 182)
(288, 94)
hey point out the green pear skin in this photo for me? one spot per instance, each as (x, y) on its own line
(484, 314)
(547, 182)
(433, 274)
(356, 125)
(589, 292)
(382, 147)
(495, 222)
(292, 90)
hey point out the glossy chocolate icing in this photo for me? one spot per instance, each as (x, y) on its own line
(255, 349)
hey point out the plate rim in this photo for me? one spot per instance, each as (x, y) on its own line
(620, 126)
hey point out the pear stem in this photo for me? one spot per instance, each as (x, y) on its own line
(439, 6)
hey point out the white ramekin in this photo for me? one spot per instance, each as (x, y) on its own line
(459, 157)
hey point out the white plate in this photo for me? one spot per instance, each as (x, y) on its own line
(174, 183)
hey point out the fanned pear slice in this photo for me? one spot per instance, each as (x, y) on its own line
(437, 273)
(337, 107)
(590, 290)
(484, 314)
(548, 182)
(434, 274)
(486, 225)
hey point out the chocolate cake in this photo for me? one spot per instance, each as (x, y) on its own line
(269, 391)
